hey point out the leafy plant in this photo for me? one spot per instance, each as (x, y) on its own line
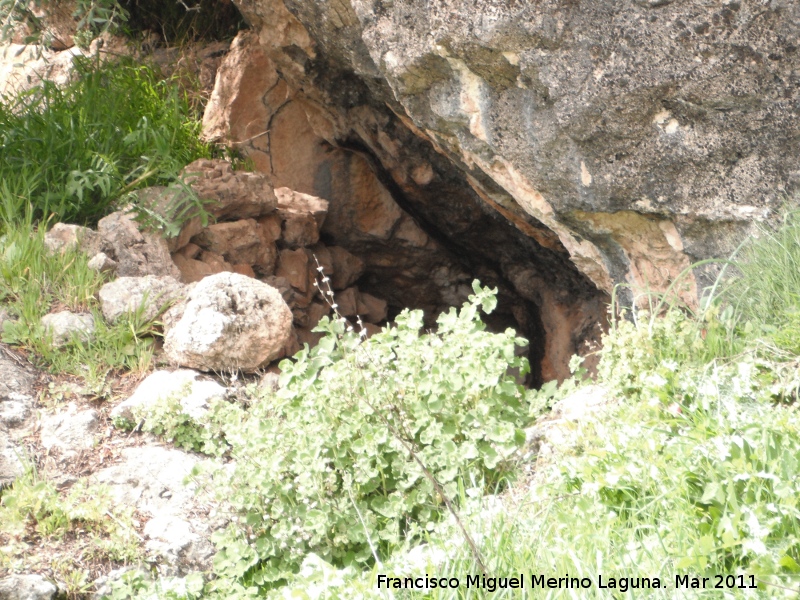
(93, 18)
(73, 151)
(325, 466)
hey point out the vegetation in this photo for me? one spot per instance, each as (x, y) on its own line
(33, 512)
(406, 454)
(72, 152)
(358, 451)
(33, 281)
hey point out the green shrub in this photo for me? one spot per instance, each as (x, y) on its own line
(332, 463)
(73, 151)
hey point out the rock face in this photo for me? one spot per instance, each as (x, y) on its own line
(229, 321)
(137, 253)
(151, 478)
(70, 430)
(556, 148)
(161, 385)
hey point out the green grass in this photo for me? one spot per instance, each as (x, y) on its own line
(34, 281)
(35, 516)
(72, 152)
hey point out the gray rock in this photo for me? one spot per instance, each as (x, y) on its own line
(70, 430)
(64, 237)
(269, 382)
(17, 396)
(65, 325)
(152, 479)
(27, 587)
(127, 294)
(229, 321)
(137, 253)
(183, 384)
(11, 465)
(103, 263)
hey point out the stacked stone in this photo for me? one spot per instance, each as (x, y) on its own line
(272, 235)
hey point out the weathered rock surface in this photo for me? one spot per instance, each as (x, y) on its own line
(65, 325)
(153, 479)
(229, 321)
(586, 144)
(181, 384)
(11, 465)
(102, 262)
(69, 430)
(137, 253)
(63, 237)
(17, 395)
(27, 587)
(418, 227)
(127, 294)
(234, 194)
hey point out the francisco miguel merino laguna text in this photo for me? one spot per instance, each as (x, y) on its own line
(533, 581)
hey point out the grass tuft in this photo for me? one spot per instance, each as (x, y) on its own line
(72, 152)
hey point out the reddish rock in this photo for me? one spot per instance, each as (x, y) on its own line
(190, 250)
(300, 231)
(293, 265)
(191, 270)
(270, 228)
(217, 263)
(347, 267)
(244, 269)
(347, 302)
(316, 311)
(293, 203)
(238, 242)
(322, 255)
(231, 194)
(306, 336)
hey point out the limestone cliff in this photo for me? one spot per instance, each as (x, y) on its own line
(640, 135)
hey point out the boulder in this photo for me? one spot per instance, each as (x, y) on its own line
(215, 261)
(229, 321)
(127, 294)
(233, 194)
(371, 309)
(181, 384)
(69, 431)
(137, 253)
(346, 302)
(65, 325)
(192, 270)
(303, 216)
(293, 265)
(27, 587)
(62, 237)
